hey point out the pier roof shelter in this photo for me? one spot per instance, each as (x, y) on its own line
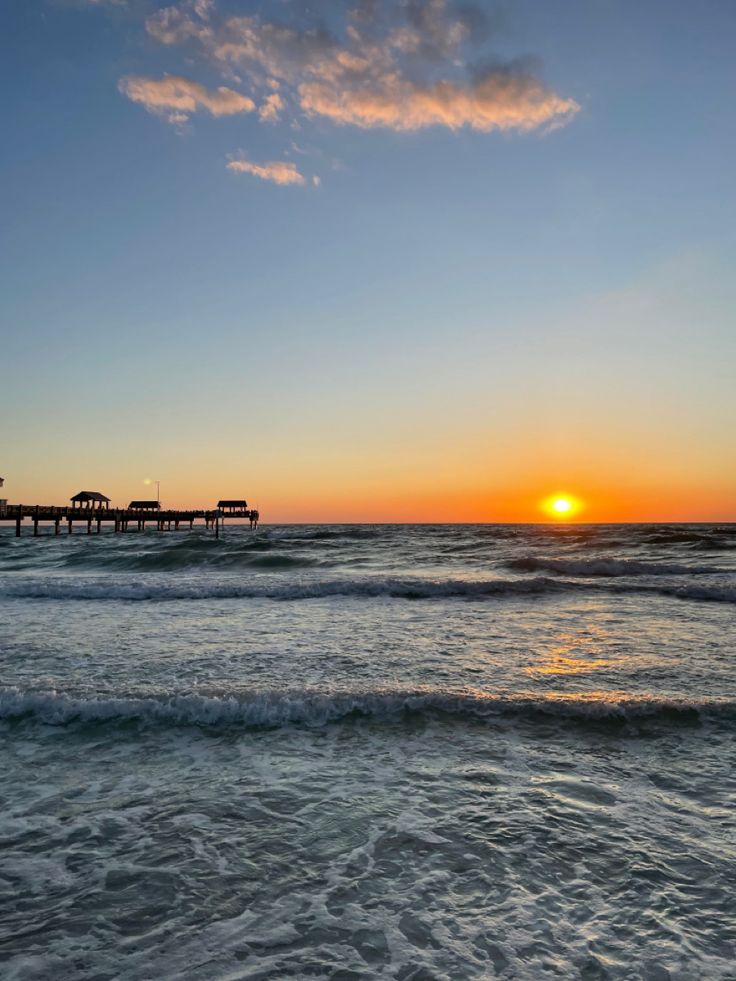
(232, 505)
(145, 505)
(90, 499)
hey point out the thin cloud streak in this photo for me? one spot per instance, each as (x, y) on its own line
(176, 98)
(501, 100)
(281, 172)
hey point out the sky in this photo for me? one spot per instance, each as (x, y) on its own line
(371, 260)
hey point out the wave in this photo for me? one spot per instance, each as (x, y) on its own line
(336, 534)
(101, 588)
(271, 709)
(257, 553)
(608, 567)
(708, 594)
(677, 538)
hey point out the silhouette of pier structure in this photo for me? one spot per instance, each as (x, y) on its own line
(93, 509)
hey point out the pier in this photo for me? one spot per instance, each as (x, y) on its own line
(122, 520)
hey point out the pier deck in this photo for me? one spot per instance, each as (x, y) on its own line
(121, 519)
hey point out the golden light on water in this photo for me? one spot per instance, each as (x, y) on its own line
(562, 505)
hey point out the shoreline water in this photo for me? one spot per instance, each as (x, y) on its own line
(394, 751)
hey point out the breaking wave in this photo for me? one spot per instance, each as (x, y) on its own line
(129, 589)
(270, 709)
(608, 567)
(103, 588)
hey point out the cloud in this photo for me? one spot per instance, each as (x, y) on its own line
(176, 98)
(279, 171)
(271, 108)
(203, 8)
(174, 25)
(399, 65)
(499, 99)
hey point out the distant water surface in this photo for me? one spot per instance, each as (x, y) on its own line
(411, 752)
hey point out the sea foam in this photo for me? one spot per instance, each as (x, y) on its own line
(314, 708)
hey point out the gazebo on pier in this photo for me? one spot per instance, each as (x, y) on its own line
(90, 499)
(145, 505)
(233, 507)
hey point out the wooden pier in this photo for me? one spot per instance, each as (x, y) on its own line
(121, 519)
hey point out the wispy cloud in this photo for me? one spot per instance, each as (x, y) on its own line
(278, 171)
(203, 8)
(176, 98)
(271, 108)
(500, 99)
(402, 65)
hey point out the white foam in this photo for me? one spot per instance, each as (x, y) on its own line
(272, 709)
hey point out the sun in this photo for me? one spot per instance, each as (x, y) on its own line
(561, 505)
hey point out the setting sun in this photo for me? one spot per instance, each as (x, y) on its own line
(561, 505)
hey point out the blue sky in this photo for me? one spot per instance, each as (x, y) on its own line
(455, 306)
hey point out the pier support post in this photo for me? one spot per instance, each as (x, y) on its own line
(35, 527)
(17, 526)
(99, 525)
(217, 527)
(89, 526)
(70, 525)
(57, 523)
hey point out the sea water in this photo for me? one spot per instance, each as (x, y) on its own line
(426, 752)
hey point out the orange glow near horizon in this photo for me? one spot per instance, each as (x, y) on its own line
(290, 490)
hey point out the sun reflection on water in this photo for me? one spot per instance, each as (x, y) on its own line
(576, 652)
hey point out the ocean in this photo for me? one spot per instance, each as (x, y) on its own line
(350, 752)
